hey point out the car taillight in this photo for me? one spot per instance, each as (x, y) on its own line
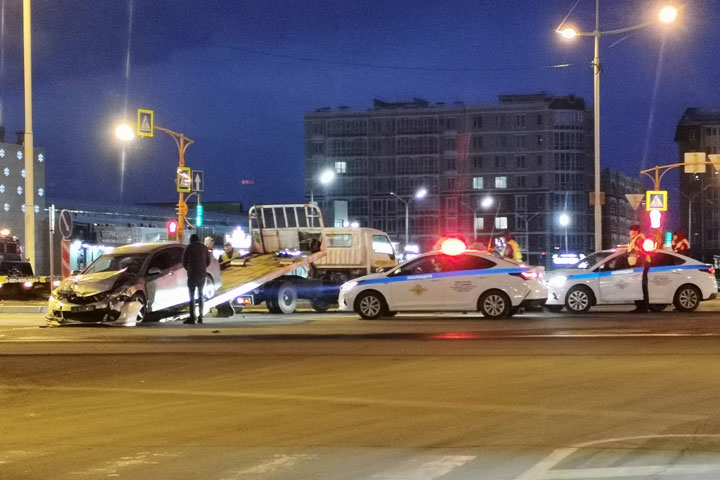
(709, 270)
(527, 275)
(28, 284)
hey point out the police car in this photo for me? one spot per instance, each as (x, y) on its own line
(452, 279)
(608, 278)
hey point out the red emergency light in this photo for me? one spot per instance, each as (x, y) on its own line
(648, 245)
(453, 246)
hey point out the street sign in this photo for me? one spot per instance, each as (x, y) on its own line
(65, 224)
(184, 180)
(694, 162)
(198, 181)
(656, 200)
(145, 123)
(634, 199)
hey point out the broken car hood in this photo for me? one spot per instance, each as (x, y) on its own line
(91, 283)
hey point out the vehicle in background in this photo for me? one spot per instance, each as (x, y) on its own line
(127, 286)
(452, 279)
(611, 280)
(16, 274)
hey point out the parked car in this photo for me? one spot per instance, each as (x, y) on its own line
(461, 281)
(124, 286)
(611, 280)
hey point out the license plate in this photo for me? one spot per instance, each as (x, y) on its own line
(83, 308)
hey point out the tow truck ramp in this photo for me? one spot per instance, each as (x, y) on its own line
(284, 239)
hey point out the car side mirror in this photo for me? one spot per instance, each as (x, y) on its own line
(154, 271)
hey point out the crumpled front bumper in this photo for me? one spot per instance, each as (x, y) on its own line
(122, 314)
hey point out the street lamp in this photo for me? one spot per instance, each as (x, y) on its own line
(564, 221)
(419, 193)
(325, 178)
(666, 15)
(126, 132)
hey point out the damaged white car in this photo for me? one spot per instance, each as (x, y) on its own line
(126, 286)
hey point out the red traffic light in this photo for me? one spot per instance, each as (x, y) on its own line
(655, 219)
(172, 227)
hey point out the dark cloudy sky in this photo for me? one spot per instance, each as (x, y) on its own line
(237, 76)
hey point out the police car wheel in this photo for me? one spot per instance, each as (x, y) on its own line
(494, 304)
(370, 305)
(578, 300)
(687, 298)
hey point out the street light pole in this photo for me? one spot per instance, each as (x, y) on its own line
(28, 141)
(420, 193)
(667, 14)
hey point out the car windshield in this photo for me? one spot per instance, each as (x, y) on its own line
(115, 263)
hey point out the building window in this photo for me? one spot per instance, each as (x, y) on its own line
(520, 121)
(478, 183)
(477, 162)
(521, 202)
(539, 161)
(520, 142)
(539, 180)
(340, 167)
(501, 223)
(521, 161)
(479, 223)
(477, 121)
(449, 164)
(499, 120)
(477, 142)
(693, 135)
(540, 140)
(500, 162)
(500, 182)
(501, 142)
(539, 119)
(521, 181)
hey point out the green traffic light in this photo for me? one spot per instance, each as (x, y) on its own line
(199, 216)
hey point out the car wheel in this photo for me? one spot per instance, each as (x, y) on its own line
(657, 307)
(371, 305)
(494, 304)
(286, 298)
(578, 300)
(554, 308)
(320, 306)
(208, 290)
(142, 313)
(687, 298)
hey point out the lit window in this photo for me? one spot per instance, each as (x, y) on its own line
(6, 171)
(41, 157)
(501, 223)
(500, 182)
(340, 167)
(37, 209)
(19, 155)
(2, 152)
(41, 192)
(479, 223)
(478, 183)
(6, 207)
(22, 207)
(22, 172)
(2, 188)
(19, 190)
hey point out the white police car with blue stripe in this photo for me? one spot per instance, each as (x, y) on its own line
(453, 279)
(612, 280)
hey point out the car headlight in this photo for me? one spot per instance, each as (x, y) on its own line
(558, 281)
(347, 286)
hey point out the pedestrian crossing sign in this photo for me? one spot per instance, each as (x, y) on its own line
(656, 200)
(145, 123)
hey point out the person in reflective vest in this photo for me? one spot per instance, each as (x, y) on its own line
(227, 256)
(512, 249)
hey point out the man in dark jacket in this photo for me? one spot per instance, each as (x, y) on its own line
(196, 260)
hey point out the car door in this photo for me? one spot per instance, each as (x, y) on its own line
(664, 277)
(164, 278)
(466, 277)
(417, 285)
(383, 254)
(619, 282)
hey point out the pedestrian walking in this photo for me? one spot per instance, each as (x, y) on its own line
(196, 260)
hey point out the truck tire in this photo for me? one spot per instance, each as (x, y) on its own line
(285, 298)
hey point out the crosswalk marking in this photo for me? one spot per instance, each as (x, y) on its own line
(427, 470)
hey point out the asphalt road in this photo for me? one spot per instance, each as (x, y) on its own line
(418, 397)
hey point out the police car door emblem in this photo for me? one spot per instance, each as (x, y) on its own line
(418, 290)
(621, 284)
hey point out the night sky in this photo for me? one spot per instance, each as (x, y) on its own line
(238, 77)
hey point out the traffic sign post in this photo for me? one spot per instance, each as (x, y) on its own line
(184, 180)
(656, 200)
(145, 123)
(198, 181)
(65, 224)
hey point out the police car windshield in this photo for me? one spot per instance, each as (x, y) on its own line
(590, 260)
(115, 263)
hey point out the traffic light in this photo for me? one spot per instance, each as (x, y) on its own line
(199, 215)
(655, 219)
(172, 227)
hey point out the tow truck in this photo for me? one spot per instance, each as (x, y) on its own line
(16, 274)
(285, 239)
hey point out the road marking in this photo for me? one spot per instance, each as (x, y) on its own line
(355, 401)
(543, 470)
(112, 468)
(428, 470)
(276, 463)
